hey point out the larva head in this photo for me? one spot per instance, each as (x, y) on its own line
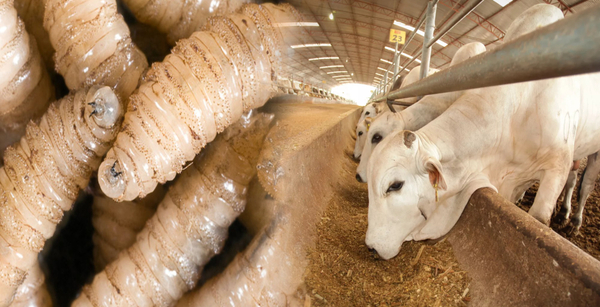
(103, 106)
(110, 179)
(117, 179)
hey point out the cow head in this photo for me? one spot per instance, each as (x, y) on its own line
(361, 134)
(380, 128)
(403, 178)
(369, 110)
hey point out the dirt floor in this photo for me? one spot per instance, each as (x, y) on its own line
(588, 237)
(343, 272)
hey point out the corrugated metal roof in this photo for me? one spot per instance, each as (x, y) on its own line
(359, 33)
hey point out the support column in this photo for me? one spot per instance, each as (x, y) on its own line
(429, 28)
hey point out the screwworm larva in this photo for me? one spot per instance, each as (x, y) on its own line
(180, 18)
(189, 227)
(43, 173)
(117, 224)
(32, 13)
(32, 292)
(93, 45)
(202, 87)
(25, 88)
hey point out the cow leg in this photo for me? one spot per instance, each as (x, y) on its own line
(551, 185)
(588, 182)
(563, 216)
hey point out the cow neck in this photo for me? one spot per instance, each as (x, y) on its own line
(426, 110)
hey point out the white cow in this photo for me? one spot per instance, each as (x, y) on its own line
(415, 116)
(588, 182)
(361, 132)
(503, 137)
(370, 112)
(536, 17)
(375, 109)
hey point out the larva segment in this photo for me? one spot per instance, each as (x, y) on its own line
(25, 88)
(43, 173)
(117, 224)
(32, 292)
(189, 227)
(201, 88)
(32, 13)
(93, 45)
(180, 18)
(256, 277)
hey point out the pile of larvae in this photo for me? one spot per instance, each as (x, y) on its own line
(82, 109)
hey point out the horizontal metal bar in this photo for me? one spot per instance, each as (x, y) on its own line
(466, 10)
(567, 47)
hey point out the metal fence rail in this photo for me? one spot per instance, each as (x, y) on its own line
(568, 47)
(385, 83)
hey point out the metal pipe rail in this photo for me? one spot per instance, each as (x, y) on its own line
(449, 26)
(467, 9)
(567, 47)
(427, 37)
(398, 53)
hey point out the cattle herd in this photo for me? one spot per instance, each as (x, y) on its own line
(423, 163)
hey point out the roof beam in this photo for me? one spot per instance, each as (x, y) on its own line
(561, 5)
(475, 17)
(366, 40)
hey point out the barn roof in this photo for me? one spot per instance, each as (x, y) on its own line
(354, 47)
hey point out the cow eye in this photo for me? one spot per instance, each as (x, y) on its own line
(367, 113)
(376, 138)
(360, 133)
(396, 186)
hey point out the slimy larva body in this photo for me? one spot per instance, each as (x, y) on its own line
(32, 13)
(43, 173)
(203, 86)
(93, 45)
(25, 88)
(180, 18)
(189, 227)
(32, 292)
(117, 224)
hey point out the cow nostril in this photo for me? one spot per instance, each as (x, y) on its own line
(358, 178)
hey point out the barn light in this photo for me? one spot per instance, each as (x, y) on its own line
(503, 3)
(331, 66)
(296, 24)
(337, 72)
(341, 76)
(383, 69)
(311, 45)
(386, 61)
(378, 74)
(324, 58)
(331, 16)
(352, 74)
(409, 28)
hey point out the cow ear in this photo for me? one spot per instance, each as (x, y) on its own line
(434, 169)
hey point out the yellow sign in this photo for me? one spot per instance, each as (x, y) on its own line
(397, 36)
